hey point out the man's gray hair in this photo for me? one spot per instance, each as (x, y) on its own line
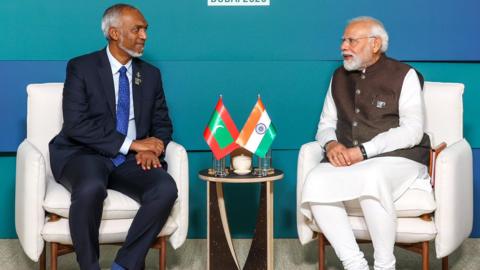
(377, 29)
(111, 17)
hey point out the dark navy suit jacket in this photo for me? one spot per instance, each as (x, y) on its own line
(89, 115)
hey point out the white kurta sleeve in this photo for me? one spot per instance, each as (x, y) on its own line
(328, 120)
(410, 131)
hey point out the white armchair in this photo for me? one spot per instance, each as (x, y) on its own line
(445, 215)
(42, 205)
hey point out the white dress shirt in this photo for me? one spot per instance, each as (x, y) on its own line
(132, 129)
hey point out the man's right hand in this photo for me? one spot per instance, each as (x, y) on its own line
(337, 154)
(152, 144)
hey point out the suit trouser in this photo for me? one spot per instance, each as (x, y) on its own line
(333, 221)
(87, 177)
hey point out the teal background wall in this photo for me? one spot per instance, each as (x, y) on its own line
(7, 191)
(285, 52)
(286, 30)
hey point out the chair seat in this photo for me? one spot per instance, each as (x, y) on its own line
(111, 231)
(115, 206)
(413, 203)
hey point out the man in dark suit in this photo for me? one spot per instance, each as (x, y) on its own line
(116, 127)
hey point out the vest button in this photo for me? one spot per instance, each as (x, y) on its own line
(355, 142)
(357, 110)
(355, 123)
(362, 77)
(358, 91)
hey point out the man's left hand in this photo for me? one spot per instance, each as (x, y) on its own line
(147, 160)
(355, 154)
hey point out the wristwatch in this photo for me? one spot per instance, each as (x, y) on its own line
(364, 153)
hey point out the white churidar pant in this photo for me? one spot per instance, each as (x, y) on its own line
(377, 183)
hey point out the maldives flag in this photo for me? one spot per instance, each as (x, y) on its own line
(221, 132)
(258, 132)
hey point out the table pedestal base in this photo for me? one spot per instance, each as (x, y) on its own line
(221, 254)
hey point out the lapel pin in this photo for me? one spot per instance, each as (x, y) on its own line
(138, 79)
(381, 104)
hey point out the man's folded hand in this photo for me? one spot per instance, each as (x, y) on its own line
(338, 154)
(151, 144)
(355, 155)
(147, 160)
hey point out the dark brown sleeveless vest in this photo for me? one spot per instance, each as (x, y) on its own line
(367, 104)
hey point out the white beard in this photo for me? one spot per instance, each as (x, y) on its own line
(355, 63)
(130, 52)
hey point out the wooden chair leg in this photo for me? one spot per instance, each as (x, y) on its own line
(425, 256)
(321, 251)
(445, 263)
(43, 259)
(163, 254)
(53, 256)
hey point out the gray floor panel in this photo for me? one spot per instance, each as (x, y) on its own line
(289, 254)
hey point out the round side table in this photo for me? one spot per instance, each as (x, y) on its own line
(221, 254)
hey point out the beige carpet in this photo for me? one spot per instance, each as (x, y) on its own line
(289, 254)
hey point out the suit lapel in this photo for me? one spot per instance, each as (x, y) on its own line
(137, 77)
(105, 73)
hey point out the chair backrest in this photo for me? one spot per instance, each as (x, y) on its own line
(443, 112)
(44, 116)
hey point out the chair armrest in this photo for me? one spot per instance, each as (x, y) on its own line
(29, 196)
(434, 152)
(309, 156)
(177, 159)
(454, 197)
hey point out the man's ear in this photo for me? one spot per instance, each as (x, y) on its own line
(113, 33)
(377, 44)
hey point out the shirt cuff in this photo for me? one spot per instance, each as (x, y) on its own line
(126, 146)
(326, 136)
(371, 149)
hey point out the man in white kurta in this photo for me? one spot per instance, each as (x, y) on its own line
(371, 128)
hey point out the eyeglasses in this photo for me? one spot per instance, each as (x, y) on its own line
(353, 41)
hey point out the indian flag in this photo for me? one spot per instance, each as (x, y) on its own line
(258, 132)
(221, 132)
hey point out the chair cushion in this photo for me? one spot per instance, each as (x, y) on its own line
(115, 206)
(111, 231)
(444, 125)
(413, 203)
(44, 116)
(409, 230)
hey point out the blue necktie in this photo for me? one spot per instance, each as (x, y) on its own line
(123, 110)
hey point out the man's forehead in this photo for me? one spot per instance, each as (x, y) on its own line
(357, 28)
(134, 15)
